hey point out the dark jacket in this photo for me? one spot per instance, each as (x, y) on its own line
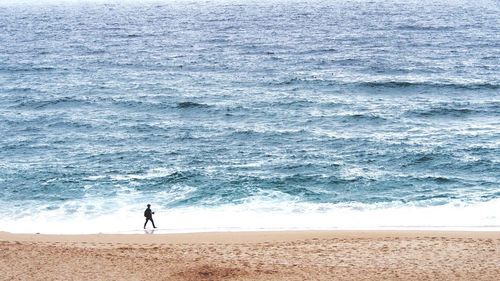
(148, 214)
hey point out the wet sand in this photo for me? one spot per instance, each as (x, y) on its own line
(288, 255)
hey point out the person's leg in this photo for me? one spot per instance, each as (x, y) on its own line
(153, 223)
(146, 222)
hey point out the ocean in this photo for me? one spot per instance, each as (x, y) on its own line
(249, 115)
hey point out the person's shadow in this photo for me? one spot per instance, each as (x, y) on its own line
(149, 231)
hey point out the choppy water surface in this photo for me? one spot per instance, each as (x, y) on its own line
(249, 115)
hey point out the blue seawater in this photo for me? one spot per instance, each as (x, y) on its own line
(249, 115)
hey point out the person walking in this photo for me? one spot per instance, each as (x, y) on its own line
(149, 216)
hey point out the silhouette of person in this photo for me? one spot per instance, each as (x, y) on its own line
(149, 216)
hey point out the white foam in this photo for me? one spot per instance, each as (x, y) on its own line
(150, 174)
(263, 212)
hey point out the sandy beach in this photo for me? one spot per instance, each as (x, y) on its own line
(290, 255)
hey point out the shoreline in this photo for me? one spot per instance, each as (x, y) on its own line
(248, 236)
(171, 231)
(256, 255)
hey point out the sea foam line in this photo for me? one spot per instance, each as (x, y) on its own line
(263, 215)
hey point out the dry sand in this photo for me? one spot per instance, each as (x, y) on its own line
(295, 255)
